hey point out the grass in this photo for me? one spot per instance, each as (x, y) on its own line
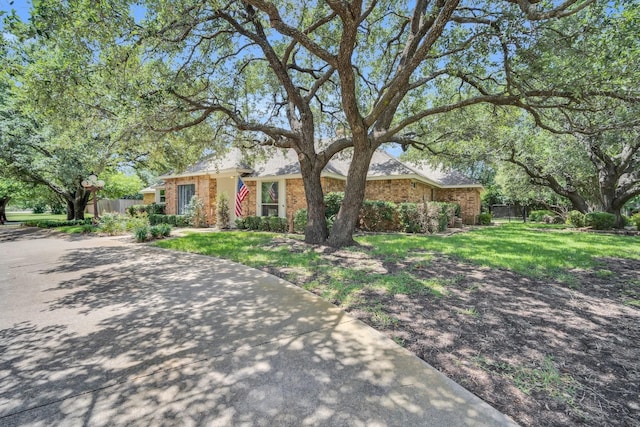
(522, 248)
(545, 377)
(22, 216)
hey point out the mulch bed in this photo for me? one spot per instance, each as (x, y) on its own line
(547, 354)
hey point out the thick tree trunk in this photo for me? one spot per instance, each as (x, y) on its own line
(316, 230)
(3, 205)
(347, 218)
(76, 204)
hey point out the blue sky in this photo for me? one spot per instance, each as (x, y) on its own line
(22, 7)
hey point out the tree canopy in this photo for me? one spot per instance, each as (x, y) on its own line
(322, 77)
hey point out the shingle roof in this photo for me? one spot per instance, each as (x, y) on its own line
(282, 162)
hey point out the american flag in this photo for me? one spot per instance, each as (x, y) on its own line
(241, 194)
(272, 192)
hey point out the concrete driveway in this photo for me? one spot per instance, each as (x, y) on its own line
(100, 331)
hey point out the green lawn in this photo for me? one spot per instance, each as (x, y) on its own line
(22, 216)
(523, 248)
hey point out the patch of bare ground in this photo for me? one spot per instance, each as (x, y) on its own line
(545, 353)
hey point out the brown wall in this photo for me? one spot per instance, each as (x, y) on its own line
(206, 189)
(148, 198)
(467, 198)
(391, 190)
(397, 191)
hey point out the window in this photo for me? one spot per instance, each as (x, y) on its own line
(185, 193)
(162, 196)
(269, 193)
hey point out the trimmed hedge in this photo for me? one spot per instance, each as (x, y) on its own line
(150, 209)
(266, 223)
(600, 220)
(174, 220)
(52, 223)
(376, 216)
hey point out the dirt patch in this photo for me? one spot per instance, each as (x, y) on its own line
(545, 353)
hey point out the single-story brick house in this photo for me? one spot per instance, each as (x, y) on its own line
(275, 185)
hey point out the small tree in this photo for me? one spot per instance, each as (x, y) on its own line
(222, 211)
(195, 213)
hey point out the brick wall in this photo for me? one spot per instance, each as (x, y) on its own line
(148, 198)
(332, 185)
(397, 191)
(206, 189)
(249, 203)
(467, 198)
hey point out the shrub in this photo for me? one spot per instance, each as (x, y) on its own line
(87, 228)
(253, 222)
(264, 224)
(300, 221)
(222, 211)
(58, 209)
(484, 219)
(600, 220)
(39, 208)
(537, 216)
(409, 218)
(552, 219)
(635, 220)
(575, 219)
(155, 232)
(182, 221)
(137, 221)
(141, 233)
(113, 224)
(136, 210)
(332, 202)
(241, 224)
(277, 224)
(195, 212)
(377, 216)
(156, 209)
(52, 223)
(165, 229)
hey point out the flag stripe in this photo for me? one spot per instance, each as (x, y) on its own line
(241, 194)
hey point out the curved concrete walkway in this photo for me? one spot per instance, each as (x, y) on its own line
(98, 331)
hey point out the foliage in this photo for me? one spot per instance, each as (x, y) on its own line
(113, 224)
(174, 220)
(538, 215)
(241, 223)
(164, 229)
(196, 213)
(264, 223)
(300, 220)
(600, 220)
(142, 233)
(635, 219)
(484, 219)
(151, 209)
(51, 223)
(575, 219)
(222, 211)
(410, 218)
(122, 186)
(377, 216)
(332, 203)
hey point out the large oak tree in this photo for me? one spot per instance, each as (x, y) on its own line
(290, 74)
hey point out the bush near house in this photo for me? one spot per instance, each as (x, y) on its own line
(484, 219)
(378, 216)
(600, 220)
(150, 209)
(52, 223)
(263, 223)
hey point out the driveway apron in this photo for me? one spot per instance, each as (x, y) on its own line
(101, 331)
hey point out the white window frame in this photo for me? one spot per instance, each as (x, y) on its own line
(282, 197)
